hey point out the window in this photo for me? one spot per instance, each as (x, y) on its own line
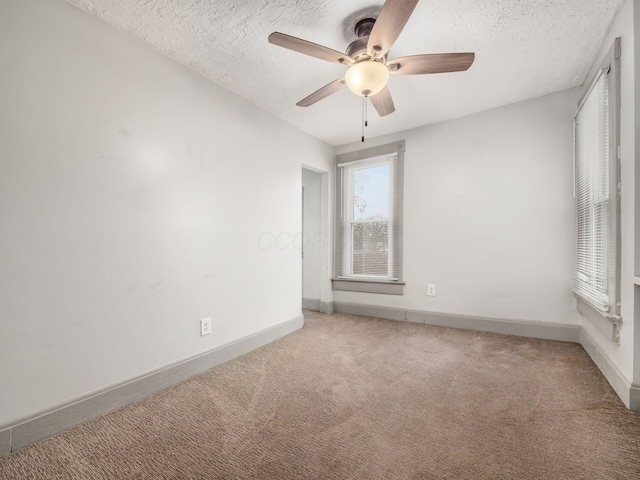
(369, 221)
(597, 270)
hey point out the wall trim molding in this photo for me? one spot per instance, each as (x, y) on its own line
(65, 416)
(313, 304)
(628, 393)
(547, 331)
(326, 307)
(634, 398)
(5, 442)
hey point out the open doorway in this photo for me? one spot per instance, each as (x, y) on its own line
(313, 240)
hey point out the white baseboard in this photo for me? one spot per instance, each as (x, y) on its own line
(5, 441)
(313, 304)
(63, 417)
(317, 305)
(634, 398)
(546, 331)
(326, 307)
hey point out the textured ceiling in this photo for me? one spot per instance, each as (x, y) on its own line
(524, 49)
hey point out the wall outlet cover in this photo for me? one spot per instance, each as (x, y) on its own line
(205, 326)
(431, 290)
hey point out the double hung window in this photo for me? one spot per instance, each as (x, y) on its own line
(597, 270)
(369, 218)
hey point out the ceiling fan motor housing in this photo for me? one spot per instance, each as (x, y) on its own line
(358, 49)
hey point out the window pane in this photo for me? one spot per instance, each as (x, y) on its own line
(371, 193)
(370, 254)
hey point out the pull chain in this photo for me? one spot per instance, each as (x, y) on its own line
(365, 123)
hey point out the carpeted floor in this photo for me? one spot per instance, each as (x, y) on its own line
(350, 397)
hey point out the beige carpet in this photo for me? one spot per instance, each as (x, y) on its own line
(359, 398)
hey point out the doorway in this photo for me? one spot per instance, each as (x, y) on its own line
(313, 240)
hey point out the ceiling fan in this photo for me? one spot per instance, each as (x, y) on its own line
(366, 57)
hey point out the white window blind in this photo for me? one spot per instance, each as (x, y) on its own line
(368, 225)
(594, 262)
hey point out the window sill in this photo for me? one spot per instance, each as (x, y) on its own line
(385, 287)
(608, 324)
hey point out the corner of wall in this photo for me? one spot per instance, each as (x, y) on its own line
(620, 384)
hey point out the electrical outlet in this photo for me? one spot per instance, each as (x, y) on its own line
(205, 326)
(431, 290)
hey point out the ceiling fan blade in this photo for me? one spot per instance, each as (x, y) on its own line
(431, 63)
(382, 102)
(325, 91)
(389, 24)
(308, 48)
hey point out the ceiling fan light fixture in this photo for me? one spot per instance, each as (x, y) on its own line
(367, 78)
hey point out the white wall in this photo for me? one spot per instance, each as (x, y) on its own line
(314, 235)
(488, 214)
(136, 198)
(622, 355)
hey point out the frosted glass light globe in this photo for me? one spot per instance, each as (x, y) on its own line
(367, 78)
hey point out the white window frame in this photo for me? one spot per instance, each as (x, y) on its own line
(346, 164)
(606, 317)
